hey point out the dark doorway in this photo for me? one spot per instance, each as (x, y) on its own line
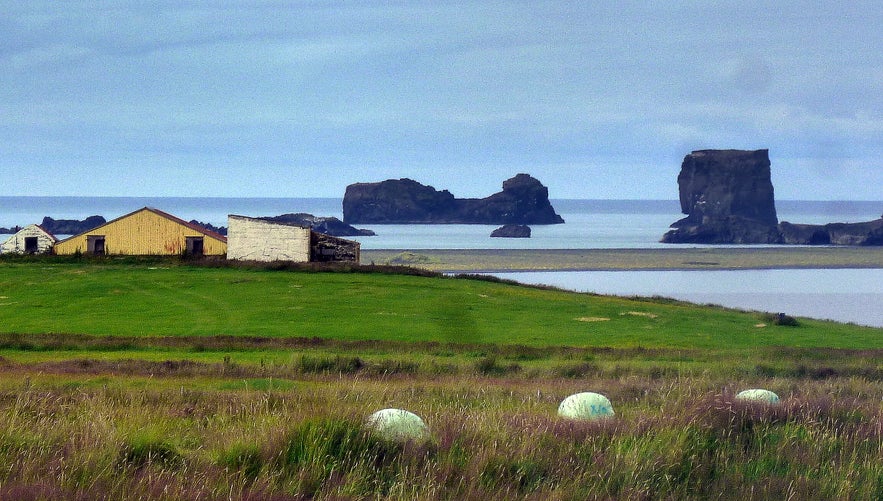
(95, 245)
(195, 246)
(32, 245)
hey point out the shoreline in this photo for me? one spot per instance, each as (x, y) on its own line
(656, 259)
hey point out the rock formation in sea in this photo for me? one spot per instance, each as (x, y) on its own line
(524, 200)
(220, 230)
(511, 231)
(728, 198)
(71, 226)
(864, 233)
(321, 224)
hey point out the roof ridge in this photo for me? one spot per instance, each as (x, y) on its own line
(163, 214)
(192, 226)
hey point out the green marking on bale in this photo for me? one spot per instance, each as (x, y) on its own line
(586, 406)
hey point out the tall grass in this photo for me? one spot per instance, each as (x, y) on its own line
(492, 438)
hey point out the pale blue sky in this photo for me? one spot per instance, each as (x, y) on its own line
(301, 98)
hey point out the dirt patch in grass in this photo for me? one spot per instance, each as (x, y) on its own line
(639, 314)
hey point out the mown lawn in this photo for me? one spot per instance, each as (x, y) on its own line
(171, 300)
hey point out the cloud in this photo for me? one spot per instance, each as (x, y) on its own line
(747, 74)
(444, 89)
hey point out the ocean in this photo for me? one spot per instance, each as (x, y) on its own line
(588, 223)
(843, 295)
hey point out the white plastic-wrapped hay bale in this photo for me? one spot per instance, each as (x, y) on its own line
(586, 406)
(398, 425)
(758, 395)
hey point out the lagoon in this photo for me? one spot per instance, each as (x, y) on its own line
(843, 295)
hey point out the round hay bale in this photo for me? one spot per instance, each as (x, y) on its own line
(398, 425)
(758, 395)
(586, 406)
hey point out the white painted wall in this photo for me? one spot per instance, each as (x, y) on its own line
(16, 243)
(250, 239)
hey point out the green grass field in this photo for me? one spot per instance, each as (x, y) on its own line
(158, 379)
(163, 300)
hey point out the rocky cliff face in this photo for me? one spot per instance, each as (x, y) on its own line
(326, 225)
(865, 233)
(71, 226)
(728, 198)
(524, 200)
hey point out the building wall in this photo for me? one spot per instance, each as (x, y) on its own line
(250, 239)
(142, 233)
(16, 243)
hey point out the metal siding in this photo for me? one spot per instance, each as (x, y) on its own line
(71, 246)
(143, 233)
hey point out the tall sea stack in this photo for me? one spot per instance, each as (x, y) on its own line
(728, 198)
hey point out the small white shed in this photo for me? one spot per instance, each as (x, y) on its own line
(254, 239)
(32, 239)
(257, 239)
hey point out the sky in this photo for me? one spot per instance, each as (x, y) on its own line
(596, 99)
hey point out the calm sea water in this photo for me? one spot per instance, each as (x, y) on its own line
(588, 223)
(844, 295)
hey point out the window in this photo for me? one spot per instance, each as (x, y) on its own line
(31, 245)
(195, 246)
(95, 245)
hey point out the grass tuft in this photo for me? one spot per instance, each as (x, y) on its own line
(243, 459)
(145, 450)
(488, 366)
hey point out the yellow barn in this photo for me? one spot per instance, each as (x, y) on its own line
(145, 232)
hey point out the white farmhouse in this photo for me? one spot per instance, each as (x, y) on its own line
(32, 239)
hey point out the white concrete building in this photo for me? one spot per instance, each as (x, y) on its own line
(252, 239)
(32, 239)
(255, 239)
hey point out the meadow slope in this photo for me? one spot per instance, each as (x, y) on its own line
(160, 379)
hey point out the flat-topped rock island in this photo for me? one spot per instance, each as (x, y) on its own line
(524, 200)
